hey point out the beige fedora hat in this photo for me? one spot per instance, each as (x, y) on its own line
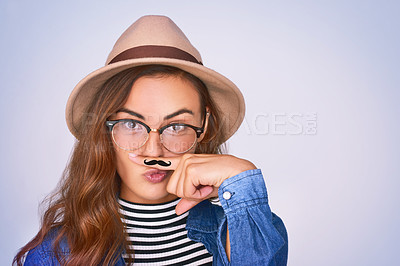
(157, 40)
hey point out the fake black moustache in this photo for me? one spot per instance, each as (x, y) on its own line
(160, 162)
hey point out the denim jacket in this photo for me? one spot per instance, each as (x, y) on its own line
(257, 236)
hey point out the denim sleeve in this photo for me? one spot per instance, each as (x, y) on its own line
(41, 255)
(44, 253)
(257, 236)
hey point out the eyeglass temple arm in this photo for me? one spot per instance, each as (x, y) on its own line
(110, 124)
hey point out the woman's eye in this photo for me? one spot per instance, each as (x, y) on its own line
(178, 128)
(130, 125)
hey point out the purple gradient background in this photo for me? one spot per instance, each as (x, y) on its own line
(335, 190)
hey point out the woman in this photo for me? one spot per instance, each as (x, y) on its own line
(147, 182)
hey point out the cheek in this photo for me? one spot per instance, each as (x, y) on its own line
(124, 166)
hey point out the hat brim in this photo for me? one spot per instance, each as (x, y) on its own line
(224, 92)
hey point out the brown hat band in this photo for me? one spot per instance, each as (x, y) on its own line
(154, 51)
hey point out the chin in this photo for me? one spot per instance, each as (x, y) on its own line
(157, 194)
(152, 194)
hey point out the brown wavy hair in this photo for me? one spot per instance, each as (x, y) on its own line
(84, 210)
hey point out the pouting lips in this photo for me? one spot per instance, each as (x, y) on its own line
(155, 175)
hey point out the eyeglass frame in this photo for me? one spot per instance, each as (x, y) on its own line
(199, 130)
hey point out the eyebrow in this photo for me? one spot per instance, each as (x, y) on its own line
(181, 111)
(131, 113)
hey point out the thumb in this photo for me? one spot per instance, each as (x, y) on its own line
(186, 204)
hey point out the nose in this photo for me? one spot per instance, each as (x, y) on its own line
(153, 146)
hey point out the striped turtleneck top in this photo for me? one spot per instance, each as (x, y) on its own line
(159, 236)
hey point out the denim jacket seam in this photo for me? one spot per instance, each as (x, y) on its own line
(202, 230)
(231, 208)
(259, 199)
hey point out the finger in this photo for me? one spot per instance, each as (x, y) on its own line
(186, 204)
(183, 175)
(176, 177)
(172, 186)
(202, 192)
(162, 163)
(191, 184)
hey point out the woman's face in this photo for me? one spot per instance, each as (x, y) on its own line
(156, 101)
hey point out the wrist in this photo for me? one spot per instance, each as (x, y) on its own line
(241, 167)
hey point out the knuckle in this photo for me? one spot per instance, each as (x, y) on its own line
(186, 156)
(188, 161)
(180, 194)
(186, 194)
(191, 170)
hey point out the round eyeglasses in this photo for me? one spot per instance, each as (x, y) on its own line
(130, 135)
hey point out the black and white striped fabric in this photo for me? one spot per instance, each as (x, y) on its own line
(159, 236)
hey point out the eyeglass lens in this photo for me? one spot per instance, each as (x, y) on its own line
(129, 135)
